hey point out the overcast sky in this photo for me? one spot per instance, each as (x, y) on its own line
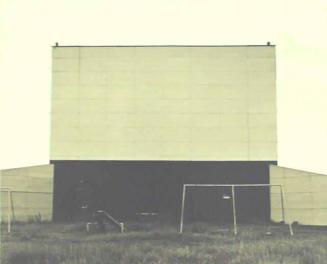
(28, 29)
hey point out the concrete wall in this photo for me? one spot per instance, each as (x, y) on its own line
(163, 103)
(306, 196)
(32, 192)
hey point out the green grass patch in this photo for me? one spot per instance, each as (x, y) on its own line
(159, 243)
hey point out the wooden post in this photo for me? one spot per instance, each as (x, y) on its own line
(234, 210)
(182, 212)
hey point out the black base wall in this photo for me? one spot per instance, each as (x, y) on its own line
(125, 188)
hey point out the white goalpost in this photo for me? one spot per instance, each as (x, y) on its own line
(9, 206)
(233, 187)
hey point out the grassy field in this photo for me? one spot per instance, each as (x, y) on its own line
(158, 243)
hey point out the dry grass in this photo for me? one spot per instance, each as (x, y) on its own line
(158, 244)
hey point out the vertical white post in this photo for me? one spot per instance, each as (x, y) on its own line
(182, 212)
(234, 210)
(8, 212)
(284, 205)
(12, 208)
(122, 228)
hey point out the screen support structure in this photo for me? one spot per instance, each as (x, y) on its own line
(233, 187)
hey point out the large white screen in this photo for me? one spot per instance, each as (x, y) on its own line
(164, 103)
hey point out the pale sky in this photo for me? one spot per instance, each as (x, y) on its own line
(28, 29)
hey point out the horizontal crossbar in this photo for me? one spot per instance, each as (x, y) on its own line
(230, 185)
